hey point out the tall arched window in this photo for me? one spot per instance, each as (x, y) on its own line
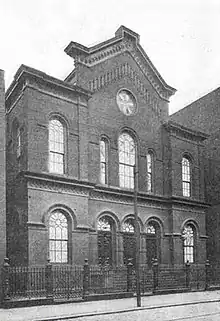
(153, 242)
(186, 177)
(17, 137)
(149, 172)
(56, 146)
(103, 161)
(58, 238)
(106, 240)
(18, 142)
(129, 243)
(127, 154)
(189, 243)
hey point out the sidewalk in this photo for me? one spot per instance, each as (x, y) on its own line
(76, 310)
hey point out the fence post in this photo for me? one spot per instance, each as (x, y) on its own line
(207, 269)
(129, 275)
(49, 280)
(187, 274)
(155, 275)
(85, 279)
(5, 279)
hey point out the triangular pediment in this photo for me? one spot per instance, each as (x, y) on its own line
(125, 40)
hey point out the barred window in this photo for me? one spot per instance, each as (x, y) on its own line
(103, 161)
(56, 146)
(106, 240)
(149, 172)
(128, 226)
(127, 155)
(189, 243)
(153, 242)
(129, 242)
(150, 229)
(58, 238)
(186, 177)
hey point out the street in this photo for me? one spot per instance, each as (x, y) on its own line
(202, 312)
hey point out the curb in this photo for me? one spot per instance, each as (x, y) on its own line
(92, 314)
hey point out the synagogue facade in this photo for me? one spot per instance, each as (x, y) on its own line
(72, 148)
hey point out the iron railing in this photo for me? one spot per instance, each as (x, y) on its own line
(107, 279)
(68, 282)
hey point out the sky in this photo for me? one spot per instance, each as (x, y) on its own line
(180, 37)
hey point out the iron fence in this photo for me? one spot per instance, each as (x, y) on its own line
(213, 276)
(68, 282)
(172, 278)
(107, 279)
(27, 282)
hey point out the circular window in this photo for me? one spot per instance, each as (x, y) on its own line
(126, 102)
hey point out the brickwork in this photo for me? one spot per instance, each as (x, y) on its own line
(34, 193)
(2, 175)
(204, 115)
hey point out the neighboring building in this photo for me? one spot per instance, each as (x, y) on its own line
(72, 147)
(204, 114)
(2, 174)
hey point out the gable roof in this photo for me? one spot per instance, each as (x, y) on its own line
(125, 40)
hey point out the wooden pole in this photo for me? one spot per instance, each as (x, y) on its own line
(137, 237)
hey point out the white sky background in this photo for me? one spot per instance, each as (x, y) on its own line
(181, 37)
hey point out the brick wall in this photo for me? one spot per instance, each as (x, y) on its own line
(2, 174)
(34, 197)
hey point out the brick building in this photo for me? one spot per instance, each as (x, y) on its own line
(72, 147)
(2, 174)
(204, 114)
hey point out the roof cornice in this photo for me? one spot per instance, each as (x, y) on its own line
(176, 127)
(124, 40)
(25, 71)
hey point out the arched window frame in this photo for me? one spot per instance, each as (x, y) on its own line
(189, 246)
(150, 171)
(186, 167)
(127, 160)
(61, 147)
(106, 234)
(16, 134)
(153, 232)
(104, 159)
(18, 142)
(129, 240)
(61, 244)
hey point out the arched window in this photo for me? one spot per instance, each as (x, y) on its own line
(186, 177)
(189, 243)
(129, 243)
(16, 138)
(149, 172)
(127, 154)
(18, 141)
(153, 242)
(56, 146)
(106, 240)
(58, 238)
(103, 161)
